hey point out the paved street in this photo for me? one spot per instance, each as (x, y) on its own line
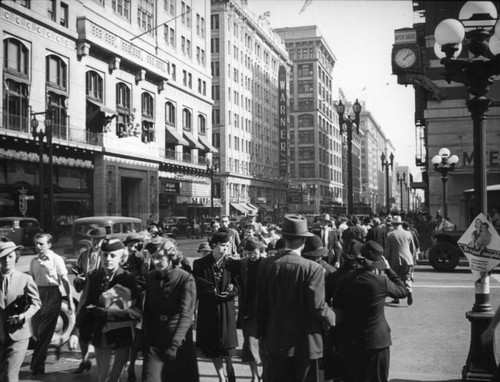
(430, 338)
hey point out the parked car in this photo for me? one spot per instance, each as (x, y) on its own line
(177, 225)
(117, 226)
(20, 230)
(444, 255)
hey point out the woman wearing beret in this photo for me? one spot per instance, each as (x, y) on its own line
(168, 314)
(110, 324)
(216, 322)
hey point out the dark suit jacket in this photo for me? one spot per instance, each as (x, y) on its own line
(291, 308)
(94, 319)
(23, 284)
(360, 297)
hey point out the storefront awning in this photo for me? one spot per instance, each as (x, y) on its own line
(265, 207)
(193, 143)
(173, 136)
(252, 208)
(108, 112)
(208, 147)
(239, 207)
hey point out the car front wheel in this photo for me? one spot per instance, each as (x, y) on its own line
(444, 256)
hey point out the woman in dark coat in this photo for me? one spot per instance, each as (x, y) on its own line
(216, 322)
(168, 314)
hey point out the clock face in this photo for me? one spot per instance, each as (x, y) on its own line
(405, 58)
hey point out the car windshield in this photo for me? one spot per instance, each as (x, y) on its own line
(28, 224)
(170, 221)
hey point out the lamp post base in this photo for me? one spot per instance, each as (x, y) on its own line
(480, 364)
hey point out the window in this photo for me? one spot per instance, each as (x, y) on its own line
(198, 26)
(59, 116)
(214, 45)
(202, 124)
(122, 7)
(190, 80)
(184, 78)
(306, 137)
(188, 47)
(214, 21)
(215, 66)
(172, 37)
(202, 25)
(174, 73)
(203, 57)
(170, 113)
(215, 116)
(56, 72)
(94, 85)
(16, 57)
(63, 15)
(147, 111)
(24, 3)
(51, 9)
(183, 45)
(145, 19)
(186, 119)
(15, 106)
(215, 92)
(305, 120)
(123, 126)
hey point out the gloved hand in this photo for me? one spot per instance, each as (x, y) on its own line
(15, 323)
(171, 353)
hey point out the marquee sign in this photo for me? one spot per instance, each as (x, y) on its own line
(282, 118)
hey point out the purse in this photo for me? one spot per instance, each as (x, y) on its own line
(18, 306)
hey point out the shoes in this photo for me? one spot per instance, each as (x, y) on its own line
(84, 365)
(395, 301)
(410, 298)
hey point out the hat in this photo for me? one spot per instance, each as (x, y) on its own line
(296, 226)
(220, 237)
(251, 244)
(133, 237)
(372, 250)
(111, 245)
(314, 247)
(7, 247)
(204, 247)
(96, 232)
(388, 218)
(397, 220)
(154, 244)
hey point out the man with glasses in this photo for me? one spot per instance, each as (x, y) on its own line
(233, 234)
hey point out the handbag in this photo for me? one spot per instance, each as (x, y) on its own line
(18, 306)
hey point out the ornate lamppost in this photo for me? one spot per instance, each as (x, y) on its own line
(41, 135)
(401, 180)
(408, 189)
(348, 125)
(314, 190)
(212, 169)
(386, 163)
(478, 24)
(444, 164)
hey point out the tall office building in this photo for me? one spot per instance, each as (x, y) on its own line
(121, 88)
(246, 57)
(315, 138)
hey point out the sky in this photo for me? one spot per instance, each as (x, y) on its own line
(361, 35)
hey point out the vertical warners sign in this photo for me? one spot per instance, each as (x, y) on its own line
(282, 118)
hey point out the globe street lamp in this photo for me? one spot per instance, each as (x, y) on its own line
(385, 165)
(40, 135)
(212, 169)
(348, 125)
(478, 24)
(444, 163)
(401, 180)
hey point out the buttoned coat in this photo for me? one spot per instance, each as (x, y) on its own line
(291, 308)
(216, 320)
(23, 284)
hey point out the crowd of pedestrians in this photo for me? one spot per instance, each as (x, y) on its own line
(309, 301)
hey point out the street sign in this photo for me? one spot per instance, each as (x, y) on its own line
(30, 197)
(481, 245)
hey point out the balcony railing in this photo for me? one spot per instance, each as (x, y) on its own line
(16, 122)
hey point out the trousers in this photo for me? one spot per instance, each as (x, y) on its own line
(110, 363)
(291, 369)
(11, 359)
(44, 324)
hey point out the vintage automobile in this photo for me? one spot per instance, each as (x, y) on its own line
(444, 255)
(177, 225)
(20, 230)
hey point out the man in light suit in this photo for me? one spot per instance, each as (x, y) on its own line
(291, 308)
(399, 251)
(15, 316)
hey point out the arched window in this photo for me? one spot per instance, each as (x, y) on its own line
(16, 57)
(122, 96)
(187, 123)
(147, 105)
(56, 74)
(170, 113)
(201, 124)
(94, 85)
(124, 127)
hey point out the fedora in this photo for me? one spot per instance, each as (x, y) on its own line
(7, 247)
(372, 250)
(314, 247)
(397, 220)
(205, 247)
(96, 232)
(295, 225)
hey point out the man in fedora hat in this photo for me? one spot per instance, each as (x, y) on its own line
(15, 312)
(363, 332)
(291, 308)
(204, 249)
(399, 251)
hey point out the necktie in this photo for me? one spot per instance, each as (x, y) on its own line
(5, 289)
(105, 283)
